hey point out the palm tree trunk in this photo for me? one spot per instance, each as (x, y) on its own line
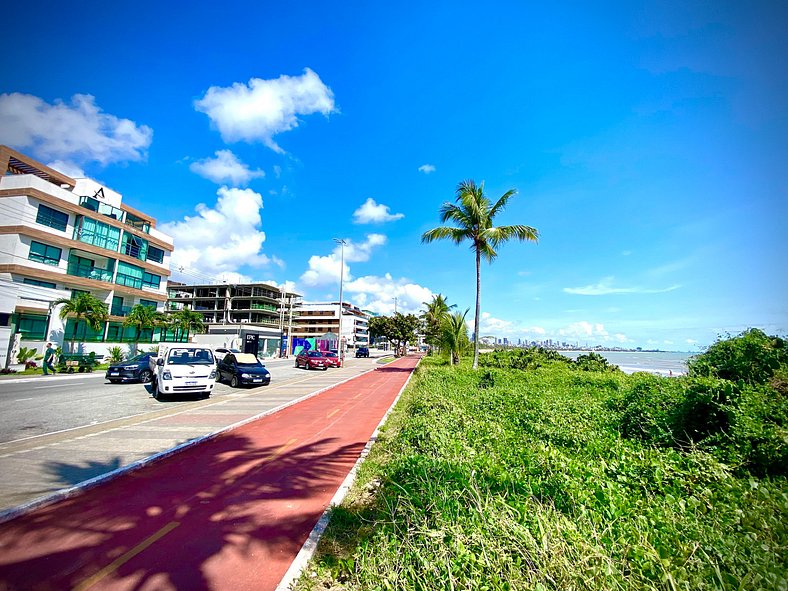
(478, 309)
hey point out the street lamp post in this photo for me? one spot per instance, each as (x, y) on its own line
(341, 242)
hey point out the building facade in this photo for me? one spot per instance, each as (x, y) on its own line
(60, 236)
(235, 313)
(315, 320)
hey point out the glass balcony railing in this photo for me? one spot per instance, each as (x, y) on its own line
(89, 272)
(136, 222)
(94, 204)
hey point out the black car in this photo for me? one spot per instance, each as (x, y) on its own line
(362, 352)
(135, 369)
(242, 369)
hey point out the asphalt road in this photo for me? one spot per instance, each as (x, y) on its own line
(35, 405)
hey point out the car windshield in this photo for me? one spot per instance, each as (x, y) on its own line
(190, 357)
(330, 354)
(247, 360)
(315, 354)
(138, 358)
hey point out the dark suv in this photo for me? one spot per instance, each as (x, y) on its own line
(134, 369)
(362, 352)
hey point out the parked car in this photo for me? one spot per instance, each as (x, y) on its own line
(135, 369)
(333, 359)
(311, 360)
(242, 369)
(362, 352)
(222, 351)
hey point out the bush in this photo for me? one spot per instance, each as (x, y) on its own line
(525, 359)
(594, 362)
(752, 357)
(115, 354)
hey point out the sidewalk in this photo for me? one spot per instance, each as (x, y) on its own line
(230, 513)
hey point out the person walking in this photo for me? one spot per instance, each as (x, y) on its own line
(49, 357)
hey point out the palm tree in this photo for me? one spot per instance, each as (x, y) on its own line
(84, 306)
(433, 317)
(189, 321)
(454, 335)
(474, 216)
(142, 317)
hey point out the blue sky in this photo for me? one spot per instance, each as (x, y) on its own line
(648, 143)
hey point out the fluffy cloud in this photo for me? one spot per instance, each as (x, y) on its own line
(225, 168)
(72, 133)
(219, 240)
(261, 109)
(491, 326)
(378, 294)
(427, 168)
(605, 287)
(325, 270)
(594, 331)
(371, 212)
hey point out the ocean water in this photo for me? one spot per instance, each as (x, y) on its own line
(660, 362)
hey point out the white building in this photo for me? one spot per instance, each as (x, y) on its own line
(61, 235)
(313, 320)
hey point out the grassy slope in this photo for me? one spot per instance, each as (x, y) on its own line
(503, 479)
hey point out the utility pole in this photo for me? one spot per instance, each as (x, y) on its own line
(341, 242)
(289, 329)
(395, 304)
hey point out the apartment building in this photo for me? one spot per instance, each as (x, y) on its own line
(249, 316)
(61, 235)
(315, 320)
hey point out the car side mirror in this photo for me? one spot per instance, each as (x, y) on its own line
(160, 361)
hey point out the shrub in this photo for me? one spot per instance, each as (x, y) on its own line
(594, 362)
(525, 359)
(752, 357)
(27, 354)
(115, 354)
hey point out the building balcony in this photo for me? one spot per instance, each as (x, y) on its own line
(89, 272)
(120, 310)
(94, 204)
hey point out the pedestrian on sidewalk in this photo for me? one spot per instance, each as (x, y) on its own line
(49, 357)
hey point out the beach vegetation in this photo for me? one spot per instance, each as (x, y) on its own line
(536, 474)
(454, 336)
(474, 216)
(436, 312)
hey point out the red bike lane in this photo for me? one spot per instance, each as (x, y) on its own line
(229, 513)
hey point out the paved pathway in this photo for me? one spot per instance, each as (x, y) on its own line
(229, 513)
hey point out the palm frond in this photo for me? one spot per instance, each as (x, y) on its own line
(501, 203)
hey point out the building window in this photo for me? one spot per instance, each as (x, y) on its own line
(80, 331)
(52, 218)
(134, 246)
(97, 233)
(155, 254)
(149, 303)
(43, 253)
(151, 280)
(38, 283)
(32, 327)
(129, 275)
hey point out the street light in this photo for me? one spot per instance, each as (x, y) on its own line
(341, 242)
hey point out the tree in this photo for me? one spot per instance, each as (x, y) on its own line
(454, 335)
(83, 307)
(398, 329)
(186, 320)
(474, 216)
(437, 311)
(142, 317)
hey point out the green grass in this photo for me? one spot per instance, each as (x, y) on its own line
(502, 479)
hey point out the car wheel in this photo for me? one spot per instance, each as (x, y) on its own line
(325, 368)
(114, 381)
(145, 376)
(234, 382)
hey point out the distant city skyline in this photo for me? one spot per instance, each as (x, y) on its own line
(647, 143)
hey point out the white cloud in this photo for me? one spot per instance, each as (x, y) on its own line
(427, 168)
(72, 134)
(377, 294)
(220, 239)
(258, 111)
(371, 212)
(325, 270)
(605, 287)
(67, 168)
(225, 168)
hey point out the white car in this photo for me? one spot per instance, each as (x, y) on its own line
(220, 352)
